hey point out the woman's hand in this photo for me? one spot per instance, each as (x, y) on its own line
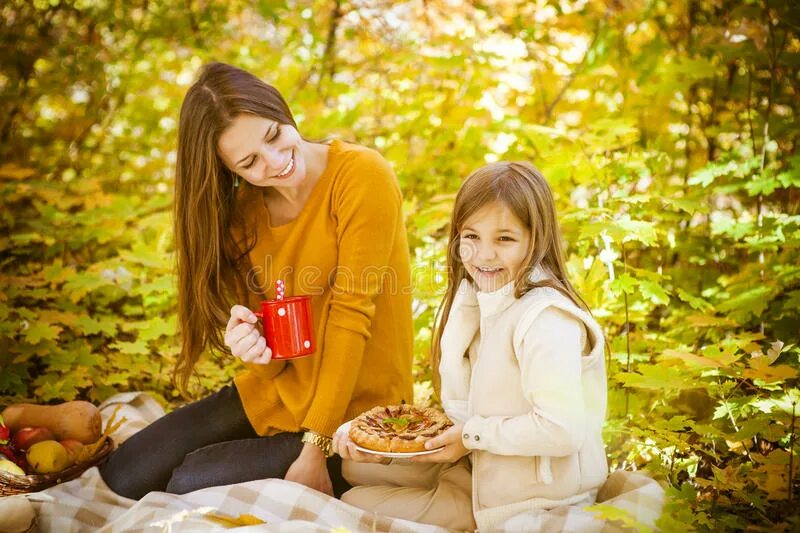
(453, 447)
(346, 448)
(244, 339)
(311, 470)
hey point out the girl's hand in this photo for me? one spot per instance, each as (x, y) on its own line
(453, 447)
(244, 339)
(346, 448)
(311, 470)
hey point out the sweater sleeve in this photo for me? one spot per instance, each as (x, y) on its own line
(368, 212)
(550, 370)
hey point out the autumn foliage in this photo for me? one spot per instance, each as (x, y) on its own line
(668, 131)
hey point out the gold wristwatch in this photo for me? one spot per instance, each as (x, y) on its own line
(320, 441)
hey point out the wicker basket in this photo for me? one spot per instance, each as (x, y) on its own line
(11, 484)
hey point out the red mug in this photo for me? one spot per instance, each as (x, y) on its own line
(288, 327)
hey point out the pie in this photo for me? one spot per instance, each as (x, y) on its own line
(398, 428)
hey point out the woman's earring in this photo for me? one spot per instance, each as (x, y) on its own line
(236, 181)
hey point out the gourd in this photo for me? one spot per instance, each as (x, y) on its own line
(77, 419)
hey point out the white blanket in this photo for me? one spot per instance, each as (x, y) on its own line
(86, 504)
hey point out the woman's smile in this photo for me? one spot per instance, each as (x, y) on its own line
(288, 169)
(263, 152)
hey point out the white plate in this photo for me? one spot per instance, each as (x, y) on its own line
(345, 428)
(396, 454)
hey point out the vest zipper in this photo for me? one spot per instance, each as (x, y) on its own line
(476, 453)
(474, 367)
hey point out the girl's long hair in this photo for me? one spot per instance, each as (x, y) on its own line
(211, 264)
(523, 189)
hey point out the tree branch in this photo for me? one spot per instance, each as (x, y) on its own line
(548, 111)
(328, 57)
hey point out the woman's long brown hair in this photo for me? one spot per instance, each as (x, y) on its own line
(523, 189)
(211, 264)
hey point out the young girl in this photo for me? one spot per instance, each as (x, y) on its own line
(521, 369)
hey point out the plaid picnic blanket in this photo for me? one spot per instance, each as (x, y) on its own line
(86, 504)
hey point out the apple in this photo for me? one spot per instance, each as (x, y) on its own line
(73, 447)
(25, 437)
(5, 433)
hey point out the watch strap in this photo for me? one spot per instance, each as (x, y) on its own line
(321, 441)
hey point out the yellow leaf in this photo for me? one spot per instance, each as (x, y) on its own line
(761, 369)
(707, 321)
(99, 199)
(15, 172)
(777, 457)
(772, 479)
(692, 359)
(52, 316)
(234, 521)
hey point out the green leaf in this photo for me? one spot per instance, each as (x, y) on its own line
(107, 325)
(62, 387)
(658, 377)
(793, 301)
(14, 378)
(688, 205)
(749, 302)
(624, 283)
(654, 292)
(39, 331)
(761, 185)
(82, 284)
(145, 256)
(132, 348)
(789, 179)
(162, 284)
(694, 302)
(617, 517)
(401, 421)
(712, 171)
(623, 230)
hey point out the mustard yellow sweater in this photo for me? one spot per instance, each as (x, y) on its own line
(348, 250)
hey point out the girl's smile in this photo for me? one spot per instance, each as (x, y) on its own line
(493, 246)
(484, 276)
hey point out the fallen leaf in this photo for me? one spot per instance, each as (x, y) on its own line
(234, 521)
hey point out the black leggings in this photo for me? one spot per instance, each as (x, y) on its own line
(204, 444)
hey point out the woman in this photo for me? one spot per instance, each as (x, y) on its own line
(255, 202)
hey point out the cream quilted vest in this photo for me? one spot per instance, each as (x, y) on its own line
(533, 415)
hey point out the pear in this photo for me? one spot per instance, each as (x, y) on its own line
(48, 457)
